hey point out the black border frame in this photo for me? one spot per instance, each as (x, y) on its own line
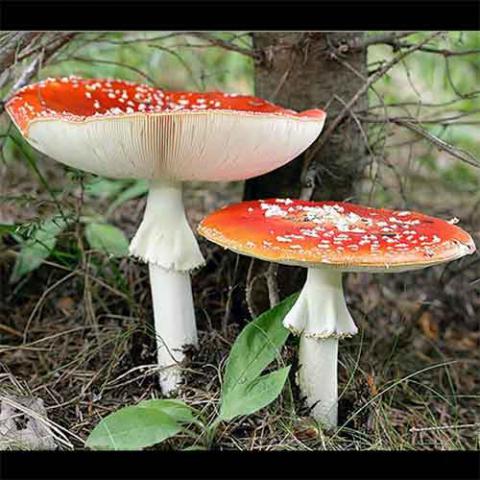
(212, 465)
(240, 15)
(118, 15)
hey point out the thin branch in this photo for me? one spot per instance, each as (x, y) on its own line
(32, 69)
(381, 38)
(218, 42)
(467, 96)
(308, 172)
(111, 62)
(451, 120)
(272, 284)
(27, 74)
(392, 39)
(184, 64)
(143, 40)
(414, 125)
(456, 152)
(450, 80)
(9, 51)
(440, 51)
(249, 283)
(53, 42)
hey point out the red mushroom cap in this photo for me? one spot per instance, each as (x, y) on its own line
(195, 101)
(336, 234)
(77, 99)
(124, 130)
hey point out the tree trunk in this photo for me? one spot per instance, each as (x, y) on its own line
(301, 76)
(300, 73)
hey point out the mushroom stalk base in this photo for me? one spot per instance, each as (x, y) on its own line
(317, 378)
(164, 237)
(175, 327)
(320, 316)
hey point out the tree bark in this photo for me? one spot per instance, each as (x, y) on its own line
(300, 71)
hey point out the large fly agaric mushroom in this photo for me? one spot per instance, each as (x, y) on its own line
(119, 129)
(329, 238)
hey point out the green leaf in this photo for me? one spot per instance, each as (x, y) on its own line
(257, 346)
(133, 428)
(247, 399)
(176, 409)
(139, 188)
(244, 391)
(104, 188)
(37, 248)
(7, 228)
(107, 238)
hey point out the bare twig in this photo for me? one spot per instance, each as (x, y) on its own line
(272, 284)
(43, 56)
(184, 64)
(283, 79)
(10, 330)
(415, 126)
(53, 43)
(15, 42)
(228, 305)
(308, 172)
(451, 120)
(218, 42)
(450, 80)
(42, 298)
(393, 39)
(445, 427)
(249, 282)
(447, 103)
(441, 51)
(27, 74)
(118, 64)
(382, 38)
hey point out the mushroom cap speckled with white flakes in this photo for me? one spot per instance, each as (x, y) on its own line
(120, 129)
(335, 234)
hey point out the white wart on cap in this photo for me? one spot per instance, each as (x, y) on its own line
(338, 235)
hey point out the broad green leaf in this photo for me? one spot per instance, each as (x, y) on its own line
(105, 188)
(107, 238)
(257, 346)
(133, 428)
(6, 228)
(247, 399)
(176, 409)
(139, 188)
(37, 248)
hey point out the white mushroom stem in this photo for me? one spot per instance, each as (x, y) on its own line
(320, 316)
(175, 326)
(166, 241)
(164, 237)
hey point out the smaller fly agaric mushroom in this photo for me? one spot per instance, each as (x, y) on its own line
(120, 129)
(329, 238)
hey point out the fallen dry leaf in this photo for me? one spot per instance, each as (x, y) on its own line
(20, 429)
(371, 384)
(66, 305)
(428, 326)
(305, 429)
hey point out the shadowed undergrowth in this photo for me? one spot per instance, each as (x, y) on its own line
(84, 344)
